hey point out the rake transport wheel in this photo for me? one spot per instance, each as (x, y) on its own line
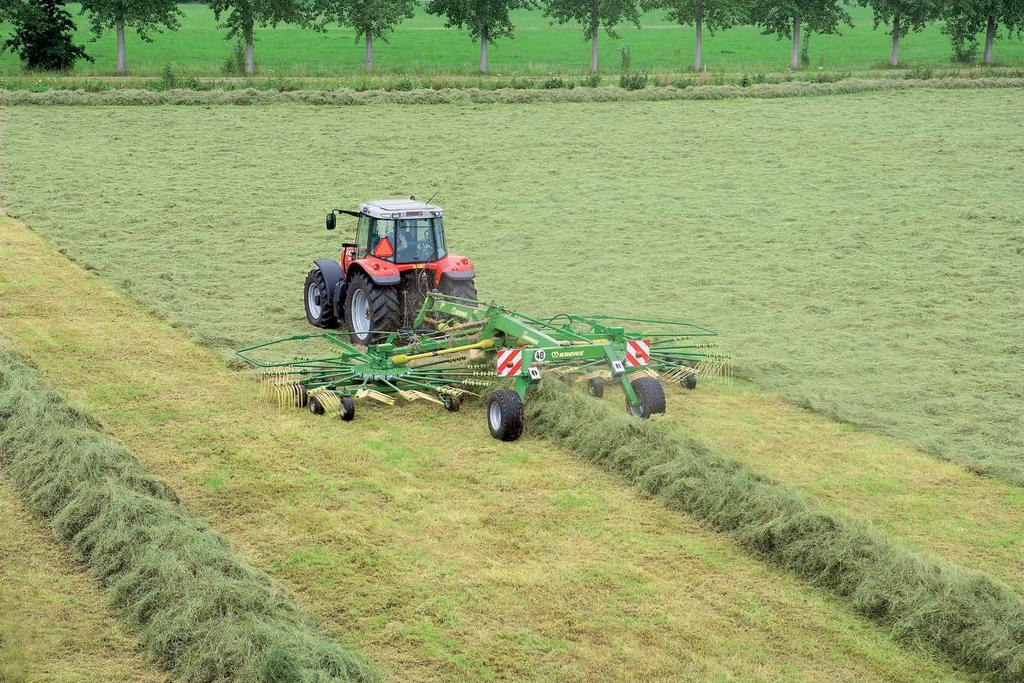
(595, 387)
(651, 395)
(319, 312)
(315, 406)
(505, 414)
(371, 310)
(348, 409)
(464, 289)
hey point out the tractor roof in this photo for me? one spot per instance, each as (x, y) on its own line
(400, 208)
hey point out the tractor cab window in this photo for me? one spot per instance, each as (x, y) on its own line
(379, 230)
(362, 235)
(417, 240)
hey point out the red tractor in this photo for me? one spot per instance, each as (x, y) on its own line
(381, 279)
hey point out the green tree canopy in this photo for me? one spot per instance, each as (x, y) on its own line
(592, 15)
(43, 32)
(903, 17)
(144, 16)
(242, 16)
(486, 20)
(965, 19)
(369, 18)
(701, 14)
(786, 18)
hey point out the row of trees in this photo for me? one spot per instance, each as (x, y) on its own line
(489, 20)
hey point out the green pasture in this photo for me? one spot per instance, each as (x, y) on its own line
(862, 259)
(423, 46)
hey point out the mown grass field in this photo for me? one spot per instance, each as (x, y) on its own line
(442, 558)
(872, 283)
(423, 46)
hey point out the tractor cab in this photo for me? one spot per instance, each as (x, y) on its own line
(399, 254)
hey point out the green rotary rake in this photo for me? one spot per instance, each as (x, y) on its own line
(460, 347)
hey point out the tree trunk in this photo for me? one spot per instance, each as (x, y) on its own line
(894, 53)
(698, 43)
(484, 44)
(794, 56)
(119, 27)
(990, 35)
(368, 59)
(593, 37)
(250, 64)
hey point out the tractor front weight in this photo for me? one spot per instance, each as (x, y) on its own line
(461, 347)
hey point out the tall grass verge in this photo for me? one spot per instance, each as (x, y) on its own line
(200, 608)
(976, 621)
(349, 97)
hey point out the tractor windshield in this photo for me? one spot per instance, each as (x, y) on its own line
(419, 240)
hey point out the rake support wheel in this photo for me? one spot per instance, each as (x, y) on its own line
(505, 414)
(651, 395)
(348, 409)
(595, 387)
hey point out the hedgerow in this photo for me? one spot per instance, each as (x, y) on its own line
(977, 622)
(199, 607)
(350, 97)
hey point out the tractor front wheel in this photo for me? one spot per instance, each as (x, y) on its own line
(371, 311)
(651, 395)
(319, 311)
(505, 414)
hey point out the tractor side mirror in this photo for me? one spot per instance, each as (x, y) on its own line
(332, 221)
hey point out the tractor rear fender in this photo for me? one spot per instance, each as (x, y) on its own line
(380, 271)
(453, 267)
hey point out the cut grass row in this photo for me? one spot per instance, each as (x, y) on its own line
(199, 608)
(976, 621)
(54, 625)
(872, 283)
(935, 507)
(253, 96)
(444, 557)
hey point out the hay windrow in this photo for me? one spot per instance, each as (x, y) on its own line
(976, 621)
(199, 607)
(349, 97)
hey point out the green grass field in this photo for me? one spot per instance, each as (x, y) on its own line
(864, 272)
(871, 283)
(423, 46)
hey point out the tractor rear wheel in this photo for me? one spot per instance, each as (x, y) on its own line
(464, 289)
(371, 310)
(651, 395)
(319, 311)
(505, 414)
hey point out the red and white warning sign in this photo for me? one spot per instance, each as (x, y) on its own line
(638, 352)
(510, 362)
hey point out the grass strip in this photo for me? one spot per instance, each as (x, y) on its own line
(347, 97)
(201, 609)
(976, 621)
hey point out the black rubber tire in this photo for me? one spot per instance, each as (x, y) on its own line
(382, 303)
(651, 395)
(452, 403)
(595, 387)
(348, 409)
(505, 414)
(326, 318)
(464, 289)
(690, 381)
(302, 396)
(315, 406)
